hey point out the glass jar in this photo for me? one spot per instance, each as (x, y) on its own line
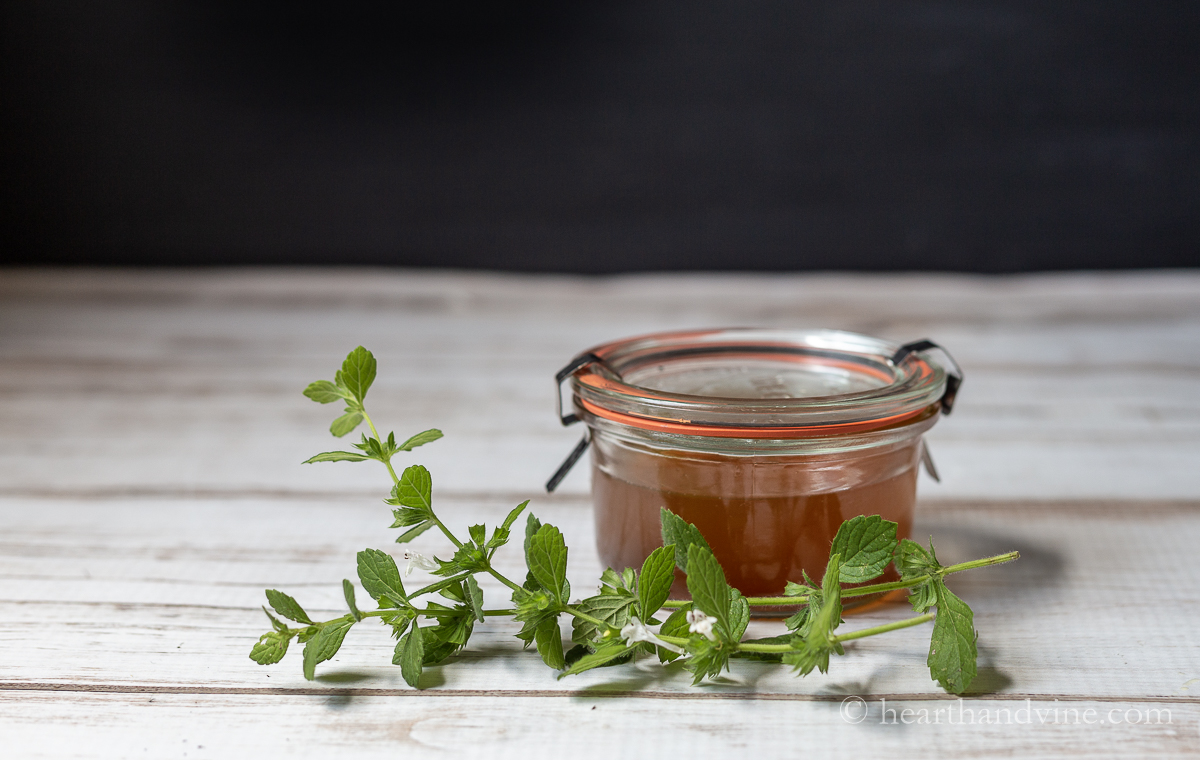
(766, 440)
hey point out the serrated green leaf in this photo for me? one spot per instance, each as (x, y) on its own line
(337, 456)
(409, 535)
(706, 582)
(612, 582)
(797, 589)
(616, 610)
(348, 592)
(739, 615)
(410, 655)
(454, 630)
(912, 560)
(923, 597)
(287, 606)
(405, 516)
(547, 559)
(952, 649)
(455, 592)
(276, 623)
(345, 424)
(324, 645)
(831, 592)
(866, 545)
(708, 658)
(532, 526)
(357, 373)
(478, 534)
(603, 655)
(271, 647)
(379, 575)
(467, 558)
(682, 534)
(324, 392)
(655, 580)
(420, 439)
(548, 638)
(474, 598)
(675, 625)
(815, 643)
(415, 490)
(514, 514)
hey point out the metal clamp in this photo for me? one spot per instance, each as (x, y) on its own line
(953, 379)
(576, 364)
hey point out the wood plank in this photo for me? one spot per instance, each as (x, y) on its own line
(150, 489)
(168, 593)
(57, 725)
(1079, 385)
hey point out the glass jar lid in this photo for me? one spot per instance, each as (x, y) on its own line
(759, 383)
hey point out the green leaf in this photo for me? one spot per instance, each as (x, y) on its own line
(324, 392)
(547, 559)
(797, 589)
(467, 558)
(739, 615)
(912, 560)
(616, 610)
(603, 655)
(514, 514)
(345, 424)
(420, 439)
(654, 583)
(677, 531)
(357, 373)
(271, 647)
(475, 598)
(324, 645)
(379, 576)
(708, 658)
(287, 606)
(923, 597)
(706, 582)
(831, 593)
(952, 649)
(348, 591)
(675, 625)
(409, 535)
(276, 623)
(548, 638)
(455, 630)
(612, 582)
(866, 545)
(532, 526)
(415, 491)
(478, 534)
(337, 456)
(410, 655)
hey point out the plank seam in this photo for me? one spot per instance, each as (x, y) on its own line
(106, 688)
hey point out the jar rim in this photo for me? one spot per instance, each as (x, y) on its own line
(757, 383)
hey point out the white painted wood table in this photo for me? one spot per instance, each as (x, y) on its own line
(151, 488)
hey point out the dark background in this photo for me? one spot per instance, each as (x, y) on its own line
(603, 136)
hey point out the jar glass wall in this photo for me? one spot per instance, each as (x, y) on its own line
(766, 440)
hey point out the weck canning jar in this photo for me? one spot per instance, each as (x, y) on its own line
(766, 440)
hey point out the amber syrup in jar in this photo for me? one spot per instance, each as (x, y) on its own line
(765, 440)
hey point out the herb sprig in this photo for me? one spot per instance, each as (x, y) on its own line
(615, 625)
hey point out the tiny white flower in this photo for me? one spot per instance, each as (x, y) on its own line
(702, 624)
(418, 561)
(636, 632)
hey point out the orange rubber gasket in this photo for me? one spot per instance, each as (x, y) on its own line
(716, 431)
